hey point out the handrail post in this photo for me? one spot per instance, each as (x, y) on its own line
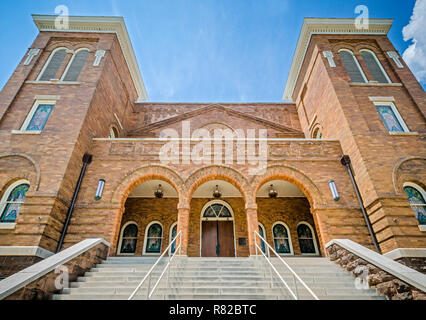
(149, 285)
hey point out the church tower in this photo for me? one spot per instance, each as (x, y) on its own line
(350, 84)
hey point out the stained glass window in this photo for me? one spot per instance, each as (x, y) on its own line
(389, 118)
(281, 239)
(262, 234)
(217, 210)
(154, 237)
(174, 233)
(306, 239)
(40, 116)
(13, 203)
(418, 204)
(130, 236)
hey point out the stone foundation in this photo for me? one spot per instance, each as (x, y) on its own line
(418, 264)
(44, 287)
(13, 264)
(385, 283)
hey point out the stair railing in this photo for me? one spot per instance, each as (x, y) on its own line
(167, 268)
(267, 257)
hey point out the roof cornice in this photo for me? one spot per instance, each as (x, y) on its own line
(327, 26)
(101, 25)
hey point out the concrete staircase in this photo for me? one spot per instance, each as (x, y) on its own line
(215, 279)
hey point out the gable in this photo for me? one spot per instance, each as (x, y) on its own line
(216, 116)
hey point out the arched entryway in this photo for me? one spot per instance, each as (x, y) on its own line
(149, 220)
(217, 230)
(284, 212)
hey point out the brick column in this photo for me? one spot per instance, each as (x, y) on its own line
(183, 227)
(252, 226)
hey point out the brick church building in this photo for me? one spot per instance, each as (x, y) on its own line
(80, 152)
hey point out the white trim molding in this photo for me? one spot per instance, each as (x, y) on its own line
(30, 115)
(31, 54)
(114, 25)
(396, 269)
(313, 26)
(25, 251)
(330, 57)
(145, 240)
(406, 253)
(395, 57)
(99, 54)
(396, 112)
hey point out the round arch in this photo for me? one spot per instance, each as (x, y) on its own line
(34, 181)
(143, 174)
(224, 173)
(294, 176)
(399, 179)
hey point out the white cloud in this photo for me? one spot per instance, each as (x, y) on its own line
(415, 55)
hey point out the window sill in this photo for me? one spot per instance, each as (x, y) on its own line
(394, 133)
(70, 83)
(422, 227)
(7, 225)
(361, 84)
(26, 132)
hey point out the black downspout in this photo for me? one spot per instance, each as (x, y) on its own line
(87, 159)
(346, 161)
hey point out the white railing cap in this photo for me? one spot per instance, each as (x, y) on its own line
(404, 273)
(32, 273)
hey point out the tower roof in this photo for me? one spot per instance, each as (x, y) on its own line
(101, 25)
(327, 26)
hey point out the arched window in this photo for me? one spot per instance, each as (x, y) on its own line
(282, 240)
(173, 234)
(12, 200)
(153, 238)
(76, 65)
(53, 64)
(352, 66)
(375, 67)
(217, 210)
(317, 134)
(263, 235)
(416, 197)
(113, 132)
(128, 238)
(307, 242)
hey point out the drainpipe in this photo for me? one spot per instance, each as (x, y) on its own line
(346, 161)
(87, 159)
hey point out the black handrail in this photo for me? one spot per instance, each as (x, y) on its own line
(346, 161)
(87, 159)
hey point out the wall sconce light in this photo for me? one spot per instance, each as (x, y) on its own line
(334, 191)
(158, 193)
(272, 192)
(216, 192)
(100, 189)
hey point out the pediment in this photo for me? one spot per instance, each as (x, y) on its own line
(217, 116)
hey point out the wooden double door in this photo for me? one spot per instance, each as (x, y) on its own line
(217, 239)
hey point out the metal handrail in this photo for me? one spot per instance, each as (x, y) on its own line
(149, 274)
(295, 275)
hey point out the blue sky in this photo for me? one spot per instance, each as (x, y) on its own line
(203, 50)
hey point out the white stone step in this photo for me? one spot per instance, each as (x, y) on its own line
(216, 279)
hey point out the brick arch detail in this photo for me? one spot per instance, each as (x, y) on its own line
(224, 173)
(293, 175)
(143, 174)
(398, 185)
(34, 181)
